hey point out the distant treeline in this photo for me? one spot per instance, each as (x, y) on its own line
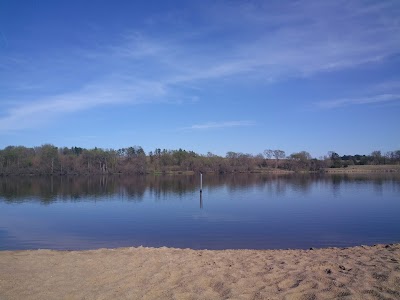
(48, 159)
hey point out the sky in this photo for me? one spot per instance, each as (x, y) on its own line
(207, 76)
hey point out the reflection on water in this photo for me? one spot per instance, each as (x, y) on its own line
(48, 189)
(233, 211)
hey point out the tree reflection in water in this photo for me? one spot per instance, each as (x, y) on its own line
(48, 189)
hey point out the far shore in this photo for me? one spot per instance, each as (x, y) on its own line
(356, 169)
(363, 272)
(365, 169)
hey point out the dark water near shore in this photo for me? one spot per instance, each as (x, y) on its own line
(235, 211)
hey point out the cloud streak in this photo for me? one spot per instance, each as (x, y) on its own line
(375, 99)
(29, 114)
(219, 125)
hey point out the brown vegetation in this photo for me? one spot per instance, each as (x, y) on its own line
(48, 159)
(365, 169)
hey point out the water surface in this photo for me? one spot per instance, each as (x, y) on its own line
(234, 211)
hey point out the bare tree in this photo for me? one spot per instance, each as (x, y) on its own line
(268, 153)
(377, 157)
(278, 154)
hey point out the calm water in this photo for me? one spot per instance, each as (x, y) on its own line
(240, 211)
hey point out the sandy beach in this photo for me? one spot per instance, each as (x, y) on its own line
(165, 273)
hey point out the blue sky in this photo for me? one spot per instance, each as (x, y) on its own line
(212, 76)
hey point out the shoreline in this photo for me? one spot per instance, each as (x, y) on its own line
(355, 169)
(361, 272)
(365, 169)
(157, 173)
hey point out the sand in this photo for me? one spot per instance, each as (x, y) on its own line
(164, 273)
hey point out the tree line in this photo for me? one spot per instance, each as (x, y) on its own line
(49, 159)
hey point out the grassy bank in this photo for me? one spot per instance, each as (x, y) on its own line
(364, 169)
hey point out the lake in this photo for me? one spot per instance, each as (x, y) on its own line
(242, 211)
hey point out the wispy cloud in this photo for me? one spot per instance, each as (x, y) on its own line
(390, 85)
(384, 93)
(217, 125)
(34, 113)
(375, 99)
(305, 37)
(296, 39)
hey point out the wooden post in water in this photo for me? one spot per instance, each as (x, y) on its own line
(201, 182)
